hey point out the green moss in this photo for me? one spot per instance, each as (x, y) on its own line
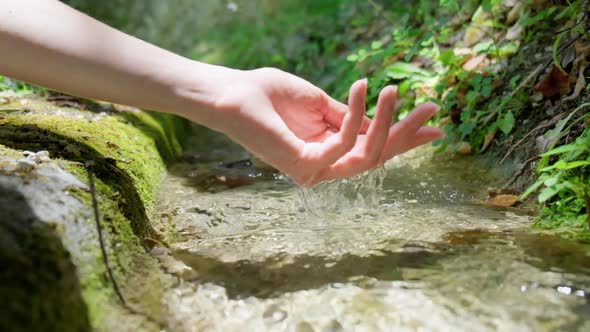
(129, 151)
(125, 152)
(6, 151)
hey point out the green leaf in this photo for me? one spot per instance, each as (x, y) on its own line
(536, 18)
(547, 193)
(466, 128)
(486, 90)
(508, 49)
(484, 47)
(352, 58)
(562, 149)
(371, 112)
(376, 45)
(551, 181)
(404, 87)
(532, 188)
(513, 81)
(447, 57)
(506, 123)
(450, 4)
(573, 164)
(402, 70)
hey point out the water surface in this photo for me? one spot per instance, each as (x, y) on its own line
(407, 248)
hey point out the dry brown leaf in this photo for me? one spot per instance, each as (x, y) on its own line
(464, 148)
(514, 32)
(477, 62)
(488, 140)
(555, 83)
(514, 14)
(502, 201)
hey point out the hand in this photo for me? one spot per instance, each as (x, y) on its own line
(297, 128)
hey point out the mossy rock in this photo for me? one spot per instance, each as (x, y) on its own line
(56, 279)
(128, 149)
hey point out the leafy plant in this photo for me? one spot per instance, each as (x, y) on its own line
(564, 178)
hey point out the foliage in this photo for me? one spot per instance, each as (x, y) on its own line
(20, 88)
(418, 48)
(564, 175)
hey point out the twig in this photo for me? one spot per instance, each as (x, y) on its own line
(519, 172)
(539, 127)
(513, 93)
(105, 257)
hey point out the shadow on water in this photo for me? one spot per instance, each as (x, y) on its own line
(38, 281)
(275, 275)
(278, 275)
(544, 251)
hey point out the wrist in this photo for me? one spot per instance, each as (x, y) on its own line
(196, 89)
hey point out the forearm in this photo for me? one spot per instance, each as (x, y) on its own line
(47, 43)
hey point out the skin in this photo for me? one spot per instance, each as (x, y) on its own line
(284, 120)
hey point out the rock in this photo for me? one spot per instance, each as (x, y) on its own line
(40, 226)
(25, 165)
(53, 271)
(41, 156)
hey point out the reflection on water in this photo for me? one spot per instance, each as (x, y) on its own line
(405, 248)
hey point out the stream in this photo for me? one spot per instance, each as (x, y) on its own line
(405, 248)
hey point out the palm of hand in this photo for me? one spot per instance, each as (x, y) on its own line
(314, 138)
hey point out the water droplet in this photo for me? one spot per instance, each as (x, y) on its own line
(564, 290)
(274, 315)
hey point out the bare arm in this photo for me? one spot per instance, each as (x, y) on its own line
(283, 119)
(47, 43)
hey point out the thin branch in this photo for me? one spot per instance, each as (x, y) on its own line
(105, 257)
(519, 172)
(532, 132)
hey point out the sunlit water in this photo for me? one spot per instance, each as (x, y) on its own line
(402, 249)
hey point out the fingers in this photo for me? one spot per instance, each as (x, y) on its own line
(417, 118)
(425, 135)
(379, 129)
(333, 148)
(402, 136)
(366, 154)
(337, 111)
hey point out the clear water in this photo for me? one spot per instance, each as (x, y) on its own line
(405, 248)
